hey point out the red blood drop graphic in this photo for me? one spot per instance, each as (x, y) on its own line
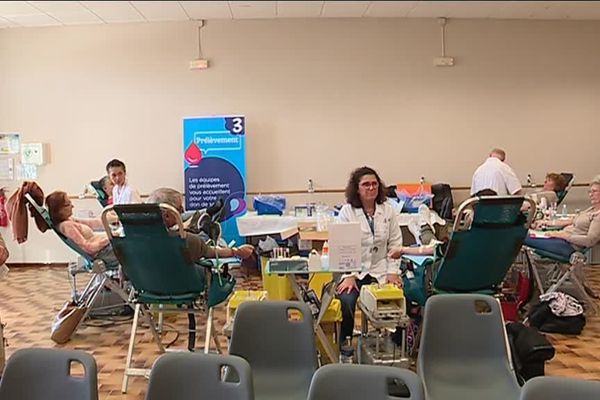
(193, 155)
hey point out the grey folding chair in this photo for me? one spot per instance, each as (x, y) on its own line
(359, 382)
(558, 388)
(277, 339)
(49, 374)
(464, 350)
(188, 376)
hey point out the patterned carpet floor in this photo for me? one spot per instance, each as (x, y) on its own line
(31, 297)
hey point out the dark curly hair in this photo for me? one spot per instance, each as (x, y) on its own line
(352, 196)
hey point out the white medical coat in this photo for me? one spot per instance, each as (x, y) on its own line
(125, 195)
(374, 247)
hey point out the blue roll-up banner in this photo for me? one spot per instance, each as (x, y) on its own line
(214, 162)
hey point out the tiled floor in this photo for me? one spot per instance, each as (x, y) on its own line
(30, 298)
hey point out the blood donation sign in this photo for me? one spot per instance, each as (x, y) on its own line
(214, 162)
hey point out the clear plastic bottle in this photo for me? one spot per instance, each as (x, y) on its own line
(325, 257)
(347, 351)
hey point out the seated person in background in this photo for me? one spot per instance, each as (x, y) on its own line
(107, 185)
(366, 204)
(554, 184)
(496, 175)
(581, 231)
(80, 231)
(122, 192)
(103, 188)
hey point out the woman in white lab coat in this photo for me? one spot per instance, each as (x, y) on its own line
(366, 204)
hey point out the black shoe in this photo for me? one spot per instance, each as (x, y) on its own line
(192, 226)
(215, 209)
(203, 224)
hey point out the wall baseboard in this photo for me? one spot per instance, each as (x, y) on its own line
(36, 265)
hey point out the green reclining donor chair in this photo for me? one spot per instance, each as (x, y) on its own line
(487, 235)
(152, 257)
(102, 274)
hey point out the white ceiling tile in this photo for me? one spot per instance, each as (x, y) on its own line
(390, 9)
(34, 20)
(429, 11)
(57, 6)
(344, 9)
(77, 17)
(455, 9)
(476, 9)
(161, 10)
(43, 13)
(67, 12)
(16, 8)
(114, 11)
(207, 9)
(253, 9)
(299, 9)
(4, 23)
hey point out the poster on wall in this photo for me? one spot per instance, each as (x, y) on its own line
(214, 162)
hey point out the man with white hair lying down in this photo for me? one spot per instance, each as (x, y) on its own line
(496, 175)
(196, 248)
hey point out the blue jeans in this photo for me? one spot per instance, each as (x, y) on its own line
(348, 301)
(557, 246)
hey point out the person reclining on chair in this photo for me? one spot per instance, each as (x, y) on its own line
(577, 233)
(104, 188)
(97, 244)
(554, 184)
(196, 248)
(79, 230)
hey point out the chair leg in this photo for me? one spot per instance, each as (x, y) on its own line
(113, 286)
(161, 318)
(215, 336)
(536, 273)
(134, 324)
(146, 314)
(191, 331)
(589, 301)
(91, 294)
(554, 287)
(209, 328)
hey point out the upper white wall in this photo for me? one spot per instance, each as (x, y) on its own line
(320, 96)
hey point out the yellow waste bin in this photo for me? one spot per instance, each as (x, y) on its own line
(318, 280)
(331, 325)
(278, 287)
(239, 297)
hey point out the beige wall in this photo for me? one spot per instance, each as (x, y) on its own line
(320, 96)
